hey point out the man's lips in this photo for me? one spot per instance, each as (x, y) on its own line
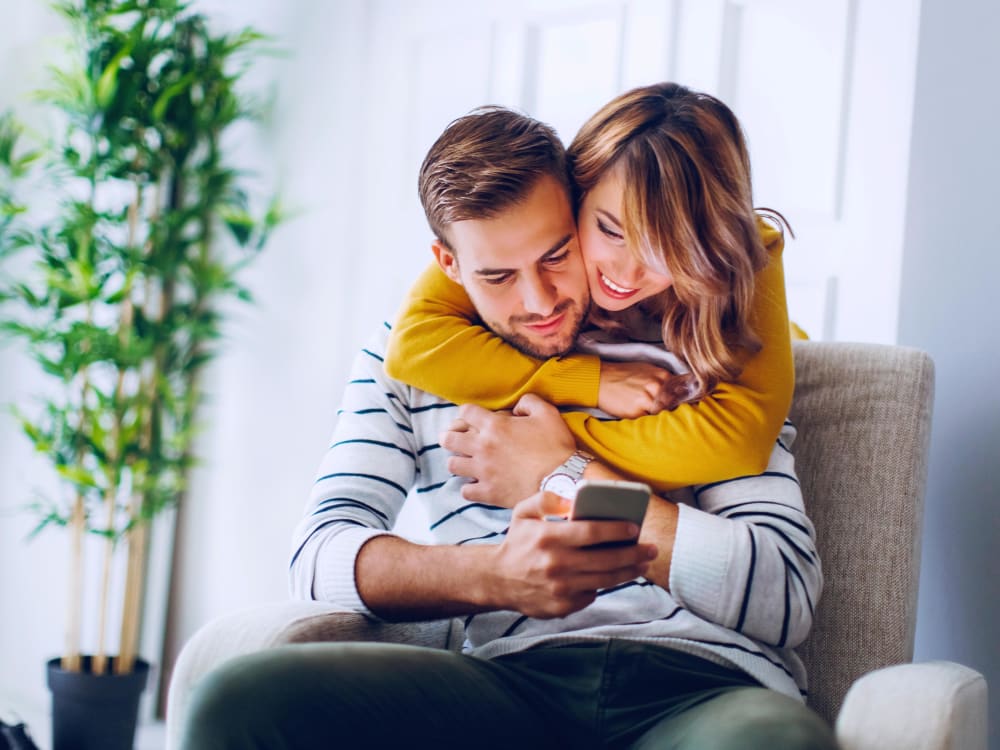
(547, 326)
(610, 288)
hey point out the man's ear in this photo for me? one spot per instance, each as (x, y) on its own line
(446, 259)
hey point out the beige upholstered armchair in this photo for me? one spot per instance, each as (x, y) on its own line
(864, 414)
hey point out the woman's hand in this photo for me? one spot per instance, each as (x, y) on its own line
(507, 454)
(633, 389)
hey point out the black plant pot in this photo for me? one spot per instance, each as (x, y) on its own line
(95, 712)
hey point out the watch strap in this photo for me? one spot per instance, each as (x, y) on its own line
(573, 467)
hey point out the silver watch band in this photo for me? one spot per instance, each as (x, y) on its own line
(573, 467)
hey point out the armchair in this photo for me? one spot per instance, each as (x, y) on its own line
(863, 413)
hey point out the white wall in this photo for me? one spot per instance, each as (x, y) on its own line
(276, 387)
(32, 576)
(951, 269)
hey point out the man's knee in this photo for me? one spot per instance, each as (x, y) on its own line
(227, 703)
(761, 719)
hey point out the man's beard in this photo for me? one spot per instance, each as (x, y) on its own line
(524, 343)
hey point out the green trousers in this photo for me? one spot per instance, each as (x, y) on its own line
(614, 694)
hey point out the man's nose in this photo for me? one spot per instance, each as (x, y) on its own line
(539, 296)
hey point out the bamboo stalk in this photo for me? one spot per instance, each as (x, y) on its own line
(138, 536)
(99, 664)
(137, 547)
(71, 661)
(100, 658)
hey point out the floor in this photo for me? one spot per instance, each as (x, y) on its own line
(150, 736)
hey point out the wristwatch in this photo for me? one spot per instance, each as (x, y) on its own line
(567, 476)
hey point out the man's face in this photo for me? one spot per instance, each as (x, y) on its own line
(523, 271)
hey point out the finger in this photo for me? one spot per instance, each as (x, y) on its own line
(590, 533)
(473, 415)
(475, 492)
(459, 425)
(542, 504)
(460, 443)
(528, 404)
(461, 466)
(588, 560)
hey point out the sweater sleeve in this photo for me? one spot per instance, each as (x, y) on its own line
(745, 553)
(438, 333)
(360, 488)
(728, 433)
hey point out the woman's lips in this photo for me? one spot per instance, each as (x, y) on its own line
(613, 290)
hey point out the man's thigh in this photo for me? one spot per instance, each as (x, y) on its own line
(361, 695)
(742, 718)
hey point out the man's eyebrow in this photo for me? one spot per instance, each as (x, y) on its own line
(556, 247)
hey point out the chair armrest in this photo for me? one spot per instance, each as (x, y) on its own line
(935, 705)
(277, 624)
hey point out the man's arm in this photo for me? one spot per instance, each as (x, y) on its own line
(741, 553)
(361, 484)
(542, 568)
(745, 553)
(344, 551)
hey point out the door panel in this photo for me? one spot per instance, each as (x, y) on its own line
(824, 91)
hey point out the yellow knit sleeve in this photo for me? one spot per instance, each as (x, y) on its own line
(438, 345)
(728, 433)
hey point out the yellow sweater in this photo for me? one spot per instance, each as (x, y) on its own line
(728, 433)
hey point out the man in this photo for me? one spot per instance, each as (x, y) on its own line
(567, 644)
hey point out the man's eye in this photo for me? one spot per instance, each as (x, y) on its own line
(496, 280)
(554, 260)
(608, 231)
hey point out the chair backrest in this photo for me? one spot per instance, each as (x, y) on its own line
(863, 412)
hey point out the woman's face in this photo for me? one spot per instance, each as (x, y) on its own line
(617, 279)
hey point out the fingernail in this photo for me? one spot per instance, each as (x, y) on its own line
(652, 552)
(633, 529)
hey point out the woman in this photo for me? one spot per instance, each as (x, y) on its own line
(675, 252)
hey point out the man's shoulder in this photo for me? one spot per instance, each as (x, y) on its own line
(372, 356)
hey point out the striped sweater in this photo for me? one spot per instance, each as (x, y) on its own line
(745, 576)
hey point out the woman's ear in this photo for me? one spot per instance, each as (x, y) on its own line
(446, 259)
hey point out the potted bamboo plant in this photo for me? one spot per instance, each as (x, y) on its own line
(123, 218)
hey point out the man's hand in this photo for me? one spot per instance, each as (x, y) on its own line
(633, 389)
(543, 567)
(507, 454)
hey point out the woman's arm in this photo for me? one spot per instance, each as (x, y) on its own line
(438, 335)
(728, 433)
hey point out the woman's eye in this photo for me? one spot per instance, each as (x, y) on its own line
(608, 231)
(496, 280)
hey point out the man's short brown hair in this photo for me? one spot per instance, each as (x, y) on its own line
(484, 163)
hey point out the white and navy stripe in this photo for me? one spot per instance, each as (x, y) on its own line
(745, 577)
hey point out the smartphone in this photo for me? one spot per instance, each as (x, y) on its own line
(611, 500)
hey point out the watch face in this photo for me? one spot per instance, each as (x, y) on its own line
(561, 484)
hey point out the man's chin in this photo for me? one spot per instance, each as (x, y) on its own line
(540, 349)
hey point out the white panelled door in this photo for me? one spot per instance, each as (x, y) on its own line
(824, 91)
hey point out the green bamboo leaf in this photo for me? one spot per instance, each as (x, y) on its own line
(107, 83)
(163, 101)
(77, 475)
(47, 520)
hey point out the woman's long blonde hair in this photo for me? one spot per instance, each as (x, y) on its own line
(687, 211)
